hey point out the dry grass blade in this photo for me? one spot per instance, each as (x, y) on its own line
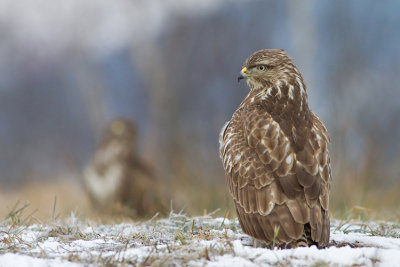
(15, 214)
(276, 232)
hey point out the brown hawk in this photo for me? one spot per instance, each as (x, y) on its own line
(116, 174)
(275, 155)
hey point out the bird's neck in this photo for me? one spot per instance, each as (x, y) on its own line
(284, 95)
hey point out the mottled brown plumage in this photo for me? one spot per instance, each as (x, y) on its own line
(116, 174)
(275, 155)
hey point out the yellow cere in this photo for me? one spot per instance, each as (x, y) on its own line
(243, 70)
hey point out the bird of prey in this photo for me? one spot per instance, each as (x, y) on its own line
(275, 155)
(116, 174)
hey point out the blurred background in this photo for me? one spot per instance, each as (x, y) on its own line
(67, 68)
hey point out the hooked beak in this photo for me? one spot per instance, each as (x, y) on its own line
(242, 74)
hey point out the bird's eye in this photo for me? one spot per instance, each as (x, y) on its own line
(261, 67)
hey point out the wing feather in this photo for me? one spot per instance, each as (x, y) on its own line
(299, 210)
(271, 183)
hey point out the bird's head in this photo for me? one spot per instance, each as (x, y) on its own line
(266, 67)
(121, 129)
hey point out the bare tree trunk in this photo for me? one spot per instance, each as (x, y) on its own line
(302, 29)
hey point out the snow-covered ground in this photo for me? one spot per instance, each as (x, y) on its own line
(183, 241)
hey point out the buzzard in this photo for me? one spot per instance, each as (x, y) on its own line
(117, 175)
(275, 155)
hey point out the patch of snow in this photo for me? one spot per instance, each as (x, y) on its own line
(229, 261)
(180, 240)
(362, 239)
(17, 260)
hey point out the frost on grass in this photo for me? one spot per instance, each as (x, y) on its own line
(181, 240)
